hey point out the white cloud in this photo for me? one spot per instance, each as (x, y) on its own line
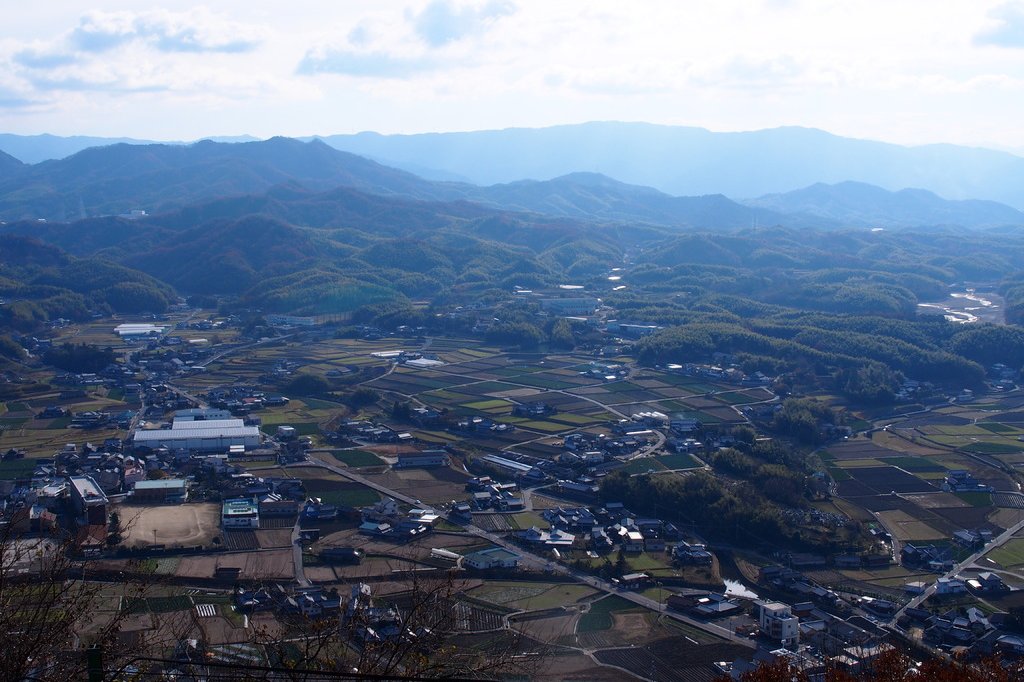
(197, 30)
(443, 21)
(892, 71)
(1006, 28)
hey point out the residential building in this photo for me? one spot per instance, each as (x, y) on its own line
(778, 622)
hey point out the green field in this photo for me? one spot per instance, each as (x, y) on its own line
(839, 474)
(357, 458)
(1010, 554)
(641, 465)
(599, 617)
(987, 448)
(976, 499)
(487, 404)
(998, 428)
(679, 460)
(913, 463)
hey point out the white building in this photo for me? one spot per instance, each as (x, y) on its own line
(210, 435)
(495, 557)
(240, 513)
(778, 622)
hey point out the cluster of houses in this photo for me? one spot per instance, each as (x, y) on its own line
(604, 529)
(967, 631)
(731, 374)
(370, 432)
(486, 493)
(357, 612)
(386, 520)
(240, 400)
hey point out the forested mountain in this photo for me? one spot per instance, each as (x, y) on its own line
(9, 165)
(840, 302)
(856, 204)
(40, 282)
(160, 178)
(598, 197)
(693, 161)
(119, 178)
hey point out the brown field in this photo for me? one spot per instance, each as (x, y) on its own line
(278, 537)
(185, 524)
(275, 564)
(908, 528)
(936, 500)
(548, 629)
(434, 486)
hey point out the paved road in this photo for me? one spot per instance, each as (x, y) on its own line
(539, 563)
(300, 572)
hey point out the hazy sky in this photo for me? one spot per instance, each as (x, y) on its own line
(907, 71)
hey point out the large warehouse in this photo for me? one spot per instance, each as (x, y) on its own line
(211, 435)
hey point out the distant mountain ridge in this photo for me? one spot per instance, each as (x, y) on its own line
(46, 147)
(694, 161)
(856, 204)
(161, 178)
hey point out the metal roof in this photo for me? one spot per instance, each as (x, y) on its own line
(156, 435)
(161, 484)
(206, 424)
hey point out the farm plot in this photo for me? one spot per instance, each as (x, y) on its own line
(907, 528)
(434, 486)
(357, 458)
(531, 596)
(858, 448)
(1010, 554)
(185, 525)
(599, 616)
(889, 479)
(274, 564)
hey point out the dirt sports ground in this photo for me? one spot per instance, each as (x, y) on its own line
(183, 524)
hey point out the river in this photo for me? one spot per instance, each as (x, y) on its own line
(968, 306)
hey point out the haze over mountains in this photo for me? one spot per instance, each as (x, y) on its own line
(161, 177)
(695, 161)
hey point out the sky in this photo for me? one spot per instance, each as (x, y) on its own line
(903, 71)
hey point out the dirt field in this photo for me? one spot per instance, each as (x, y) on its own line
(907, 528)
(279, 537)
(936, 500)
(185, 524)
(271, 564)
(433, 486)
